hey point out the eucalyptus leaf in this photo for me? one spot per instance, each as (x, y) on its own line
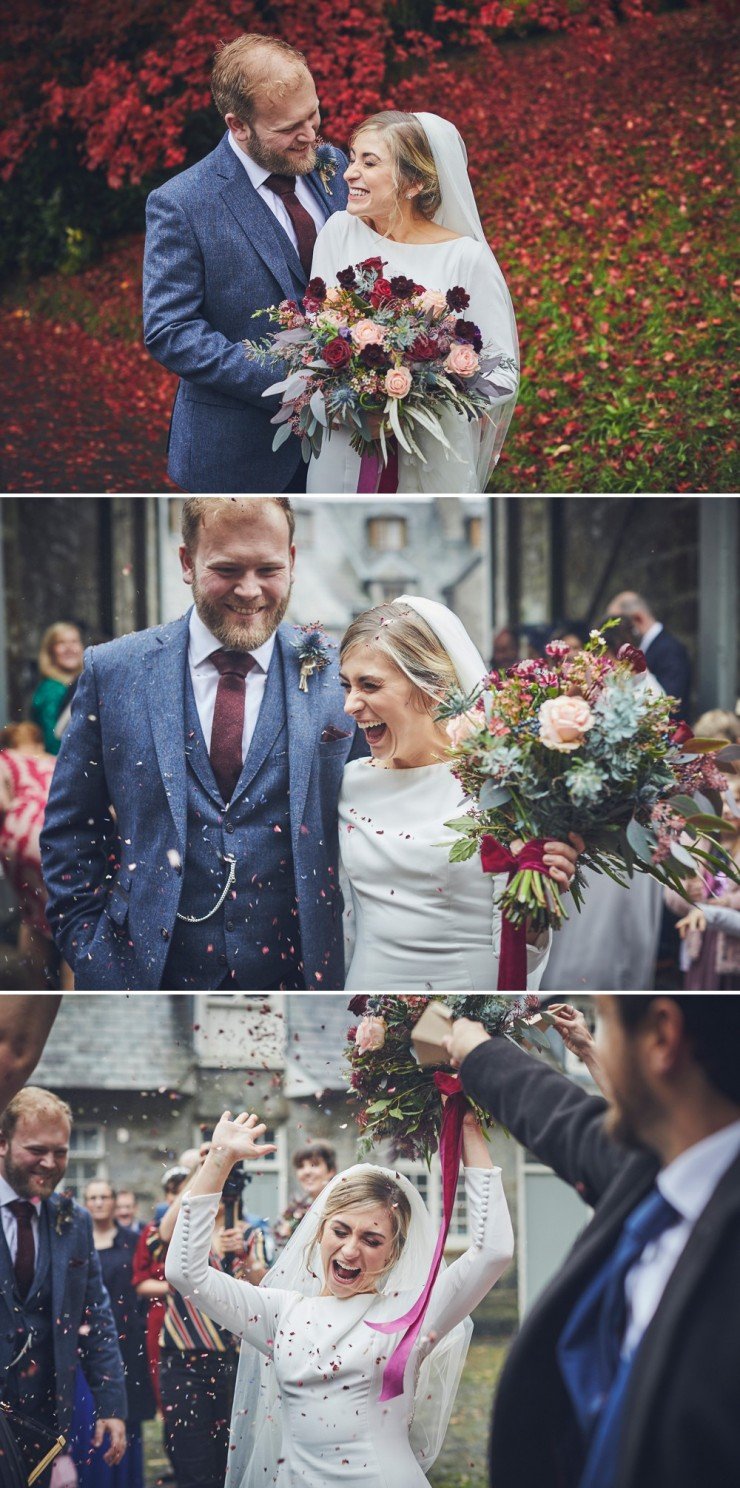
(494, 794)
(705, 822)
(641, 840)
(682, 855)
(282, 436)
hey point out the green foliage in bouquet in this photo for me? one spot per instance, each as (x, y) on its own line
(399, 1102)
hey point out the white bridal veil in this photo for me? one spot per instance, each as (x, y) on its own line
(458, 212)
(256, 1430)
(450, 631)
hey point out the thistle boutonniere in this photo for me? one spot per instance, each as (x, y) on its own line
(311, 646)
(326, 166)
(65, 1213)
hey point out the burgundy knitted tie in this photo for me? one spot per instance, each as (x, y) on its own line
(305, 227)
(228, 718)
(25, 1255)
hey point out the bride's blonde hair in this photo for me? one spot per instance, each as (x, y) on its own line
(359, 1191)
(411, 157)
(410, 643)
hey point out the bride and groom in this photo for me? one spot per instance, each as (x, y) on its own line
(269, 208)
(208, 782)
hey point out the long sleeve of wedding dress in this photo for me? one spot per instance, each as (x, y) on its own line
(250, 1312)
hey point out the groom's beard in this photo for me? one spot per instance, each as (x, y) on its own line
(279, 162)
(239, 633)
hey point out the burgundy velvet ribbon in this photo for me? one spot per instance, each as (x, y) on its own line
(450, 1151)
(495, 858)
(377, 477)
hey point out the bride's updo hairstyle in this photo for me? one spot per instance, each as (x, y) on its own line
(411, 158)
(410, 643)
(359, 1191)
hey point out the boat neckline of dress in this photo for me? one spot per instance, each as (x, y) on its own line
(399, 243)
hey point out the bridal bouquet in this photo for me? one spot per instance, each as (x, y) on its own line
(399, 1100)
(571, 744)
(383, 358)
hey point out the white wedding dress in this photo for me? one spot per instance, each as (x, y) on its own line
(328, 1364)
(421, 923)
(346, 240)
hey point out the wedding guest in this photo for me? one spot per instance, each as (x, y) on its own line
(666, 656)
(50, 1283)
(60, 663)
(26, 769)
(257, 202)
(631, 1353)
(315, 1165)
(505, 651)
(710, 958)
(115, 1248)
(570, 1023)
(25, 1025)
(573, 633)
(147, 1275)
(126, 1210)
(198, 1361)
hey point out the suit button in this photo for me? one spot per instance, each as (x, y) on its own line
(229, 827)
(223, 960)
(165, 933)
(229, 926)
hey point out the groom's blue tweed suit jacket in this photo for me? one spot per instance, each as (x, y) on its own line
(115, 885)
(67, 1290)
(214, 256)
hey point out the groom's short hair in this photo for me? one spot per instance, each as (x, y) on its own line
(245, 68)
(194, 510)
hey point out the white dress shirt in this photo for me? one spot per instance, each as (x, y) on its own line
(258, 175)
(205, 680)
(10, 1223)
(650, 636)
(688, 1184)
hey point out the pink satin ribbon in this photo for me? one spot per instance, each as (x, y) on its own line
(495, 858)
(450, 1152)
(377, 477)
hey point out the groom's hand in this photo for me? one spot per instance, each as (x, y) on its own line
(465, 1036)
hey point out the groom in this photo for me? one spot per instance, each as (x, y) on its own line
(190, 840)
(226, 239)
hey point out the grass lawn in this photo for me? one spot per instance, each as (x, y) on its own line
(462, 1462)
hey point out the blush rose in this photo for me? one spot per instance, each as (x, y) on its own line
(370, 1035)
(398, 382)
(564, 722)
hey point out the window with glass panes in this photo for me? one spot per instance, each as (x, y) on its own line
(86, 1158)
(429, 1184)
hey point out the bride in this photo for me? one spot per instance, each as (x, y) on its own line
(412, 205)
(420, 921)
(307, 1412)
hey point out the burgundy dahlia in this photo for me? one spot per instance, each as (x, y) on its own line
(458, 298)
(402, 287)
(467, 330)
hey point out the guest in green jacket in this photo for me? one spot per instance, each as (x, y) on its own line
(60, 664)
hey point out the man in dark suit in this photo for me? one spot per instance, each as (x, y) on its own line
(226, 239)
(50, 1283)
(666, 656)
(626, 1372)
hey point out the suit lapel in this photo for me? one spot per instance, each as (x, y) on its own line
(270, 720)
(304, 714)
(166, 703)
(195, 745)
(256, 220)
(60, 1248)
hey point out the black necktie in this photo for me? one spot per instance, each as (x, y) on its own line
(303, 223)
(25, 1255)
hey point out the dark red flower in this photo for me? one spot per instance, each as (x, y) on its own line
(374, 357)
(424, 349)
(372, 265)
(458, 298)
(402, 287)
(681, 734)
(337, 353)
(380, 293)
(316, 290)
(310, 305)
(358, 1005)
(467, 330)
(347, 278)
(634, 656)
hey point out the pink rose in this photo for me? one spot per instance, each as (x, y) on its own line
(464, 725)
(563, 722)
(332, 318)
(433, 302)
(370, 1035)
(398, 382)
(462, 360)
(367, 333)
(334, 295)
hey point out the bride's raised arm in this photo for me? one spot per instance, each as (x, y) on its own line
(467, 1281)
(246, 1310)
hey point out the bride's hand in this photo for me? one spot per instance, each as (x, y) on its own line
(236, 1139)
(562, 858)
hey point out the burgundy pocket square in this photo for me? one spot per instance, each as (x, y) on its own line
(331, 733)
